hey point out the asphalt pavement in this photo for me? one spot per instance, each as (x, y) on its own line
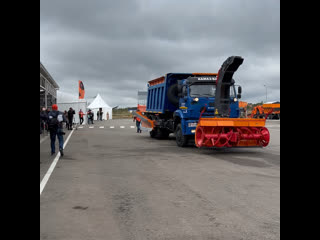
(114, 183)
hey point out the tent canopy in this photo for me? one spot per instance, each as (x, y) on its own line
(98, 102)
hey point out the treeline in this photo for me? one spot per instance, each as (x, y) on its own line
(121, 113)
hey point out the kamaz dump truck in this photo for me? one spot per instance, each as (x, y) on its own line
(203, 107)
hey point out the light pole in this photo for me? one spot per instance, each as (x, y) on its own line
(266, 93)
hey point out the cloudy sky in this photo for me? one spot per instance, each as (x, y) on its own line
(115, 47)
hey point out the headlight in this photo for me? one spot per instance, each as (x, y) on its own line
(196, 99)
(235, 99)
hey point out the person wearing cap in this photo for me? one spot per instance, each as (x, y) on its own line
(55, 120)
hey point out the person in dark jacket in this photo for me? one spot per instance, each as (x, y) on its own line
(71, 112)
(101, 114)
(98, 115)
(66, 116)
(55, 120)
(43, 120)
(90, 116)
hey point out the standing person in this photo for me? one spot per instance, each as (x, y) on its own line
(46, 125)
(87, 116)
(71, 112)
(67, 119)
(107, 115)
(98, 115)
(43, 120)
(90, 116)
(81, 116)
(101, 114)
(138, 124)
(55, 120)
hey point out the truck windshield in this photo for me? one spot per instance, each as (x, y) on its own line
(202, 90)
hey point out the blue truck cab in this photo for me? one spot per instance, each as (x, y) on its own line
(176, 101)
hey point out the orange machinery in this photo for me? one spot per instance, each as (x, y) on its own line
(142, 108)
(243, 108)
(273, 109)
(258, 112)
(223, 131)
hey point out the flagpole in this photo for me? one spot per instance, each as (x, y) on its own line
(78, 100)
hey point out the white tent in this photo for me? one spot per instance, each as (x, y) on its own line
(65, 101)
(97, 103)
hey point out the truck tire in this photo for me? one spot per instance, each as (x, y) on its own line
(173, 94)
(182, 140)
(153, 134)
(165, 133)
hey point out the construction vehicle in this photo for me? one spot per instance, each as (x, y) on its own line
(141, 108)
(243, 109)
(258, 112)
(203, 107)
(273, 108)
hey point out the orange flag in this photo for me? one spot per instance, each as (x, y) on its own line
(81, 90)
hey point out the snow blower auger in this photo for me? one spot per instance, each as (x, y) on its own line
(222, 131)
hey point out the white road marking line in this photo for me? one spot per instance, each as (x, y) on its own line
(101, 127)
(122, 126)
(91, 127)
(131, 126)
(111, 126)
(80, 127)
(53, 165)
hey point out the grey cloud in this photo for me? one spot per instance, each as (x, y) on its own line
(115, 47)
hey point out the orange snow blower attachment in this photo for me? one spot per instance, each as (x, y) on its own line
(222, 131)
(145, 122)
(231, 132)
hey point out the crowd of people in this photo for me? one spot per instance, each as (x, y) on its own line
(53, 122)
(69, 116)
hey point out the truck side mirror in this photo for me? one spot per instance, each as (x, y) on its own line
(239, 92)
(180, 90)
(184, 91)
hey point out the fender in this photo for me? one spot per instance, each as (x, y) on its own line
(178, 113)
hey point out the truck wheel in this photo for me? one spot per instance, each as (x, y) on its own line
(152, 134)
(165, 134)
(181, 139)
